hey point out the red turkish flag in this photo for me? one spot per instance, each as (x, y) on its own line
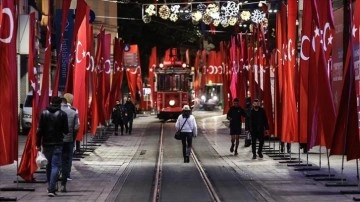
(8, 71)
(44, 99)
(305, 65)
(105, 71)
(152, 65)
(132, 73)
(28, 165)
(346, 133)
(81, 60)
(290, 117)
(118, 69)
(321, 103)
(235, 69)
(226, 75)
(99, 92)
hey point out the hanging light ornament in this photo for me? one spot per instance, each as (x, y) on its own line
(201, 8)
(265, 22)
(173, 17)
(245, 15)
(150, 10)
(175, 8)
(207, 19)
(196, 16)
(230, 9)
(232, 21)
(213, 11)
(257, 16)
(164, 12)
(216, 22)
(146, 19)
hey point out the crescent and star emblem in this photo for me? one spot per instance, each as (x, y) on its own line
(7, 11)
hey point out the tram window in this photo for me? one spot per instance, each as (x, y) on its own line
(177, 83)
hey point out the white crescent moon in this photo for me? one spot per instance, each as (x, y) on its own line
(288, 49)
(220, 67)
(8, 12)
(326, 27)
(133, 72)
(107, 70)
(77, 52)
(216, 69)
(313, 43)
(303, 38)
(212, 69)
(91, 62)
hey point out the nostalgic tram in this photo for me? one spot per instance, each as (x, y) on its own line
(172, 89)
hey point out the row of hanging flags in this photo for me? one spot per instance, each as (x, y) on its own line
(304, 107)
(89, 79)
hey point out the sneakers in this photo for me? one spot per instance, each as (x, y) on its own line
(51, 194)
(69, 179)
(63, 188)
(232, 148)
(236, 153)
(254, 156)
(260, 155)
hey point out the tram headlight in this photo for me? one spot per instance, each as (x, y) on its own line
(215, 98)
(172, 102)
(203, 98)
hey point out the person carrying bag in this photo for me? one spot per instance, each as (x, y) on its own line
(186, 125)
(178, 135)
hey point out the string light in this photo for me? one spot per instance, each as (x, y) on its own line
(227, 13)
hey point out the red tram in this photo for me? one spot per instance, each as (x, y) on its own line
(172, 89)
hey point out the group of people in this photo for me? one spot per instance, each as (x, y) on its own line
(256, 123)
(56, 134)
(123, 115)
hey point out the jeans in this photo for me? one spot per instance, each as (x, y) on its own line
(67, 155)
(53, 155)
(260, 137)
(117, 127)
(186, 138)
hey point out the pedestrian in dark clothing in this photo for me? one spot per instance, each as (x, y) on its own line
(118, 116)
(69, 139)
(53, 124)
(234, 115)
(258, 127)
(129, 115)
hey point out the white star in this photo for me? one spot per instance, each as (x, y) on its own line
(317, 32)
(354, 30)
(330, 39)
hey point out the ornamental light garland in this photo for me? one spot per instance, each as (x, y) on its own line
(227, 13)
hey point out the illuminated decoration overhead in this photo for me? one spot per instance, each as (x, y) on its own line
(150, 10)
(245, 15)
(224, 13)
(164, 12)
(257, 16)
(196, 16)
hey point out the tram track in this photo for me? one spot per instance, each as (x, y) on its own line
(156, 194)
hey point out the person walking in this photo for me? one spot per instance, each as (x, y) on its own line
(129, 115)
(187, 124)
(53, 124)
(259, 126)
(69, 99)
(234, 116)
(68, 145)
(117, 117)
